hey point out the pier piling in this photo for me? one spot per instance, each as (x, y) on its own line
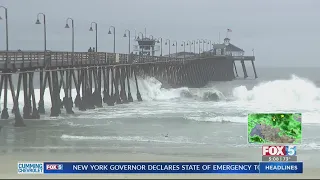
(244, 69)
(137, 86)
(41, 101)
(128, 68)
(254, 69)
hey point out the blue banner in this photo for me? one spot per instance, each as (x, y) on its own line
(281, 167)
(172, 167)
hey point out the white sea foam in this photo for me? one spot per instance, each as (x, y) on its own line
(290, 95)
(159, 139)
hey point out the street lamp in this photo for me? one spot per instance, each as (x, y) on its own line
(207, 42)
(69, 96)
(199, 42)
(125, 35)
(7, 32)
(96, 29)
(176, 47)
(141, 46)
(210, 43)
(160, 45)
(189, 43)
(41, 102)
(194, 46)
(72, 26)
(114, 37)
(168, 40)
(4, 113)
(203, 42)
(44, 28)
(211, 46)
(141, 35)
(184, 49)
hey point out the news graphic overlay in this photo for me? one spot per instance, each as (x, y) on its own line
(159, 167)
(279, 153)
(173, 167)
(52, 167)
(274, 128)
(30, 168)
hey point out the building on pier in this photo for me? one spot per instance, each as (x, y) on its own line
(146, 46)
(182, 55)
(227, 49)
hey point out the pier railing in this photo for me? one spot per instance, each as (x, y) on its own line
(51, 58)
(24, 59)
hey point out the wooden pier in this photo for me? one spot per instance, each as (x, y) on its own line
(99, 78)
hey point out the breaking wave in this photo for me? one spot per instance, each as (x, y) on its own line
(287, 95)
(293, 91)
(292, 95)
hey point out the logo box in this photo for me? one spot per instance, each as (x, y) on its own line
(30, 168)
(279, 150)
(54, 167)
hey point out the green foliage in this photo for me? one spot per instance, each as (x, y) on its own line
(257, 139)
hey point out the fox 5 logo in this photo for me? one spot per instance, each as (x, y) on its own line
(291, 150)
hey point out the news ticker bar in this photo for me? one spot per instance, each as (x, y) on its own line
(159, 167)
(279, 158)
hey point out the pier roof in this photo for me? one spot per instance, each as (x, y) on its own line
(229, 47)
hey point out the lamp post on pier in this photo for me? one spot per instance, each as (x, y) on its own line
(160, 45)
(44, 28)
(176, 47)
(203, 42)
(194, 46)
(210, 42)
(184, 49)
(151, 39)
(41, 101)
(135, 34)
(96, 29)
(199, 42)
(4, 113)
(72, 27)
(141, 35)
(207, 42)
(169, 45)
(69, 94)
(189, 43)
(141, 52)
(7, 32)
(125, 35)
(114, 37)
(210, 46)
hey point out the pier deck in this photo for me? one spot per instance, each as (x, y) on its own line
(32, 59)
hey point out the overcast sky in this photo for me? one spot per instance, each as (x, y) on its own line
(282, 32)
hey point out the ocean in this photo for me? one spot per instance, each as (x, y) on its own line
(179, 122)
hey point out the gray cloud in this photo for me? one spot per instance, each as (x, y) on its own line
(283, 33)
